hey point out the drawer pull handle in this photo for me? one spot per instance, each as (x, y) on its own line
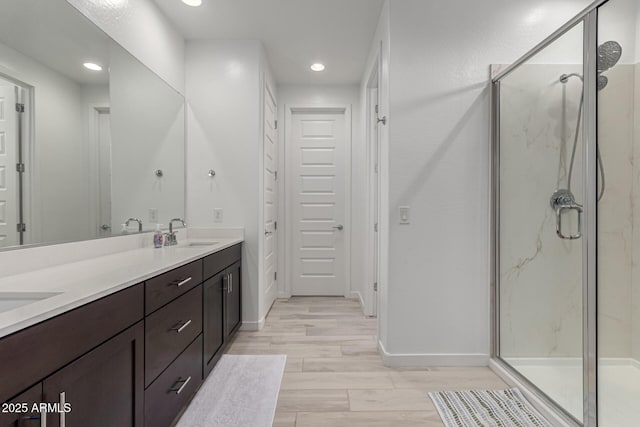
(181, 328)
(184, 384)
(180, 283)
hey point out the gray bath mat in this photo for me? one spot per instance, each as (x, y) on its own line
(484, 408)
(242, 391)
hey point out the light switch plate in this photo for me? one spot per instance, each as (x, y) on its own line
(153, 215)
(405, 217)
(217, 215)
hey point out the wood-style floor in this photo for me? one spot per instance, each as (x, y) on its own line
(334, 375)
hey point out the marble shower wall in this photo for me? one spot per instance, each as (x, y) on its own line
(616, 214)
(541, 275)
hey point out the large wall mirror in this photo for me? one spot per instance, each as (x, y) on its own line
(89, 137)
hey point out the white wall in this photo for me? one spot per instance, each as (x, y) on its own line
(224, 133)
(318, 95)
(141, 28)
(436, 300)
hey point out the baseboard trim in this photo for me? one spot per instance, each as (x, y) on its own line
(356, 295)
(425, 360)
(547, 411)
(252, 326)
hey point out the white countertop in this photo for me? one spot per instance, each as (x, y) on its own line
(84, 281)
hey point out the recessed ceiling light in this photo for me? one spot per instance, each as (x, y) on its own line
(317, 67)
(193, 3)
(91, 66)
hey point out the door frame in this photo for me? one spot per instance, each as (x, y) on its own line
(285, 253)
(30, 199)
(268, 90)
(94, 111)
(372, 261)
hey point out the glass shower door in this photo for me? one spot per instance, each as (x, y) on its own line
(618, 194)
(539, 221)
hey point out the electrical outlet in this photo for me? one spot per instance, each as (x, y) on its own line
(405, 214)
(153, 215)
(217, 215)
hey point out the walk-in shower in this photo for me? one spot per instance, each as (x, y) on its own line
(566, 230)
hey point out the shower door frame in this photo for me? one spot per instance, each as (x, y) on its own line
(589, 18)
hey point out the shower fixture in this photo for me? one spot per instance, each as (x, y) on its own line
(609, 53)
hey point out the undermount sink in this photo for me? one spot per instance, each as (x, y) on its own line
(199, 244)
(11, 300)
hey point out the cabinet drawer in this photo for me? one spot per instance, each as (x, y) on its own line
(169, 331)
(170, 285)
(28, 356)
(166, 397)
(215, 263)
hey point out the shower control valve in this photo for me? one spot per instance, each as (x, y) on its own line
(561, 201)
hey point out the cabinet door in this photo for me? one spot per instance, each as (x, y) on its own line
(213, 317)
(17, 412)
(233, 298)
(105, 387)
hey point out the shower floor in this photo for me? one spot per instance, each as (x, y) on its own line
(561, 379)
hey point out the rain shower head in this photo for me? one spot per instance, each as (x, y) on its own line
(609, 54)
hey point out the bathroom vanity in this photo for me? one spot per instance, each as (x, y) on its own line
(134, 357)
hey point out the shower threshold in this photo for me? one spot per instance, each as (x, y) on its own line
(561, 379)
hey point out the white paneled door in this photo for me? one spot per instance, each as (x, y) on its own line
(318, 146)
(8, 172)
(270, 197)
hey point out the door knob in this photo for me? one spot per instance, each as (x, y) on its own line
(338, 227)
(105, 227)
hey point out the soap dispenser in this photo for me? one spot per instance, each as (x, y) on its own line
(158, 237)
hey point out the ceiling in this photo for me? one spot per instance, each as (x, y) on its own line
(295, 33)
(55, 34)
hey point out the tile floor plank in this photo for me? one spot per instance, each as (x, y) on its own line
(334, 376)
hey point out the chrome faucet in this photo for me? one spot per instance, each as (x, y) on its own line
(130, 220)
(171, 239)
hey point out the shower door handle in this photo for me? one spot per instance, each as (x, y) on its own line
(559, 210)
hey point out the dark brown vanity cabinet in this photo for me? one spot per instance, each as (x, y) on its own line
(222, 302)
(90, 357)
(133, 358)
